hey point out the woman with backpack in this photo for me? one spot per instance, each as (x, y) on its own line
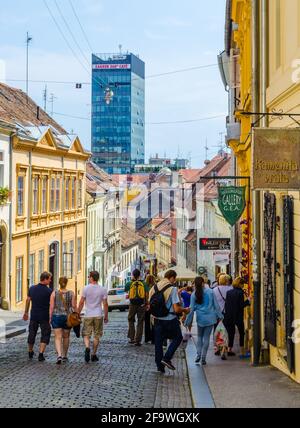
(62, 303)
(207, 309)
(138, 296)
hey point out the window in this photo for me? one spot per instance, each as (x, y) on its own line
(79, 254)
(52, 195)
(80, 194)
(57, 194)
(35, 196)
(41, 262)
(73, 184)
(31, 269)
(19, 279)
(20, 209)
(44, 194)
(68, 260)
(67, 195)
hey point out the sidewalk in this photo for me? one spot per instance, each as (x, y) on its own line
(236, 384)
(11, 324)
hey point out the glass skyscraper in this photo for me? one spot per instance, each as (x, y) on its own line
(118, 112)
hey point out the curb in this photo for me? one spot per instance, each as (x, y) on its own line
(14, 333)
(201, 395)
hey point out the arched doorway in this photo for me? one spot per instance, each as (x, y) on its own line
(53, 264)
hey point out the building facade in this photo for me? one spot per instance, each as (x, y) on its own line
(262, 41)
(118, 112)
(6, 131)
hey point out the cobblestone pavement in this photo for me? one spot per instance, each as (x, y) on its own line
(125, 376)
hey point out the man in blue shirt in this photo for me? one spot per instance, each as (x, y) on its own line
(39, 298)
(168, 327)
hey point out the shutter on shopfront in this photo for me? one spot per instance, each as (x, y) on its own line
(270, 318)
(288, 264)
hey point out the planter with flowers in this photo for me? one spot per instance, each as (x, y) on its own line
(5, 195)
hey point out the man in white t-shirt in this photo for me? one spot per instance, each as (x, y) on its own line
(94, 297)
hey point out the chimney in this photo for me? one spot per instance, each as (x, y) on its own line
(38, 113)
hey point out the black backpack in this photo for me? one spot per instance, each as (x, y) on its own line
(158, 306)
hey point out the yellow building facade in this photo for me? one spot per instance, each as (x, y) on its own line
(265, 44)
(48, 211)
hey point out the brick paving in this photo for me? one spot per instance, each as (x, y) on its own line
(125, 376)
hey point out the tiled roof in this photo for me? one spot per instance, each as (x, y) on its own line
(16, 108)
(164, 227)
(128, 237)
(105, 179)
(191, 236)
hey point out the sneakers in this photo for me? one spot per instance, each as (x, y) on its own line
(94, 358)
(30, 355)
(87, 355)
(138, 344)
(203, 363)
(161, 369)
(168, 364)
(197, 360)
(231, 354)
(41, 357)
(65, 360)
(59, 360)
(223, 357)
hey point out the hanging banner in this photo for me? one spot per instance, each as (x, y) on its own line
(232, 203)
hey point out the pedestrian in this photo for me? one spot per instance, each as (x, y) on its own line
(234, 315)
(222, 289)
(62, 303)
(149, 334)
(207, 309)
(185, 294)
(216, 282)
(220, 292)
(39, 298)
(138, 296)
(94, 297)
(165, 307)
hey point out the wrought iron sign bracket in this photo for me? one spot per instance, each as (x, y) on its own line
(274, 114)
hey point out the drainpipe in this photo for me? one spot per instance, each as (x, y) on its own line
(256, 197)
(29, 212)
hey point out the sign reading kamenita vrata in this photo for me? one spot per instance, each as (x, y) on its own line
(276, 159)
(232, 203)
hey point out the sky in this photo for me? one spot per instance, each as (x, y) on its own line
(169, 35)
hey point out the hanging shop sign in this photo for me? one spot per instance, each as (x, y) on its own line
(213, 244)
(232, 202)
(221, 257)
(276, 159)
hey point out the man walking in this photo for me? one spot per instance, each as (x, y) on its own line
(39, 298)
(165, 306)
(94, 297)
(138, 295)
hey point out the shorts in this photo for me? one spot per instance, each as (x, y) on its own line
(45, 331)
(59, 321)
(92, 327)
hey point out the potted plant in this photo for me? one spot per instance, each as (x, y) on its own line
(5, 195)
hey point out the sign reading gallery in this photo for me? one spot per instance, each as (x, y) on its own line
(276, 159)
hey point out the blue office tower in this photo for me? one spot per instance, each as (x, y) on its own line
(118, 112)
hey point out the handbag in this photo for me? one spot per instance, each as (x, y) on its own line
(73, 318)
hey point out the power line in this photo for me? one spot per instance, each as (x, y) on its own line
(152, 123)
(78, 20)
(89, 83)
(71, 32)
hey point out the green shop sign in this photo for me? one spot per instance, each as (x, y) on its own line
(232, 203)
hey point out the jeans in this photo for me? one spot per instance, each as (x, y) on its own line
(203, 340)
(166, 330)
(136, 334)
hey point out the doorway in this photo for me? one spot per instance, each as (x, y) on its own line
(53, 264)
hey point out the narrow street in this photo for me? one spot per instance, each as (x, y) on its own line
(124, 377)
